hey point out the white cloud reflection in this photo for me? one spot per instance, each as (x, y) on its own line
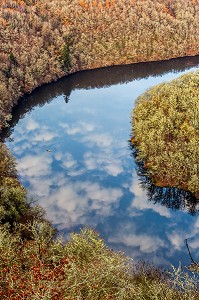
(68, 161)
(78, 128)
(177, 239)
(72, 202)
(44, 136)
(128, 237)
(34, 165)
(103, 161)
(31, 124)
(101, 140)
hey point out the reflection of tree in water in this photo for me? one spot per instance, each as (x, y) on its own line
(99, 78)
(66, 98)
(170, 197)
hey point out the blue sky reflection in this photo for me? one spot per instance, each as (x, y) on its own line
(88, 177)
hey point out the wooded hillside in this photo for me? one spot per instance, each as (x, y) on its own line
(43, 40)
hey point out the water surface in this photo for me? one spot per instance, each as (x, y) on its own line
(71, 141)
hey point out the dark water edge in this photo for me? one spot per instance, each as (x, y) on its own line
(145, 222)
(103, 77)
(170, 197)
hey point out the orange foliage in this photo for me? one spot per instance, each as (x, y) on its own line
(83, 3)
(96, 4)
(4, 22)
(39, 275)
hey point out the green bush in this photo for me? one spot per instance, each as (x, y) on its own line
(65, 58)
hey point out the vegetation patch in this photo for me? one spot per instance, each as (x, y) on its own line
(15, 206)
(166, 133)
(82, 268)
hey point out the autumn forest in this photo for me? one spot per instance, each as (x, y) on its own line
(41, 41)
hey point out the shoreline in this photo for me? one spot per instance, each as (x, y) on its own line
(82, 71)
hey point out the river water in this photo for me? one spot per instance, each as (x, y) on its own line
(71, 142)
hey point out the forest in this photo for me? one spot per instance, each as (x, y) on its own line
(41, 41)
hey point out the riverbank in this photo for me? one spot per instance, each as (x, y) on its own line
(83, 268)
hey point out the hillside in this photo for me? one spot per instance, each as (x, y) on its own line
(42, 40)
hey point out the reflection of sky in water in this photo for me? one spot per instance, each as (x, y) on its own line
(89, 176)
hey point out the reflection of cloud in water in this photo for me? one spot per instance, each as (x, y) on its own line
(68, 161)
(31, 165)
(113, 168)
(21, 148)
(194, 237)
(139, 245)
(71, 202)
(77, 172)
(176, 236)
(102, 158)
(79, 127)
(127, 236)
(107, 162)
(33, 139)
(66, 202)
(40, 187)
(31, 124)
(177, 239)
(101, 140)
(44, 136)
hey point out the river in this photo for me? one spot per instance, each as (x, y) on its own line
(71, 142)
